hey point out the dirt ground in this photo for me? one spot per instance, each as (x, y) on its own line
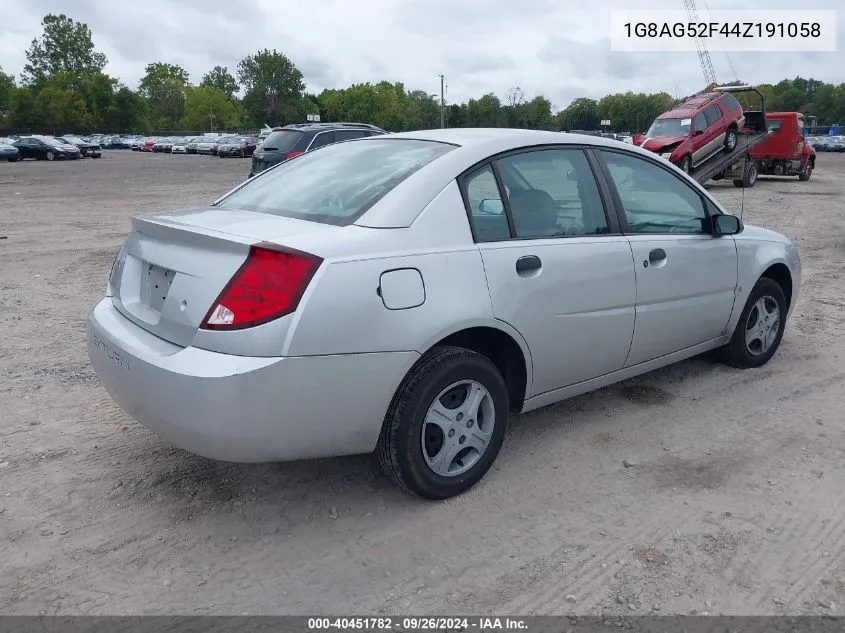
(732, 502)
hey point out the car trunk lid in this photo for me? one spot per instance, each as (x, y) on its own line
(173, 266)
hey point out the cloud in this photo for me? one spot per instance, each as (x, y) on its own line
(558, 49)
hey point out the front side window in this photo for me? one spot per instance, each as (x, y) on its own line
(653, 199)
(552, 193)
(338, 184)
(700, 122)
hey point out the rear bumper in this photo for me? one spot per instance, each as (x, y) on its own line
(244, 409)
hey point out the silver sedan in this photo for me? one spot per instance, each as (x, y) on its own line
(406, 293)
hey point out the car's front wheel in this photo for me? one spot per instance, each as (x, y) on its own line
(50, 156)
(760, 329)
(446, 423)
(686, 164)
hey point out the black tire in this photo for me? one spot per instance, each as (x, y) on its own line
(737, 353)
(804, 174)
(686, 164)
(50, 156)
(400, 445)
(749, 176)
(13, 160)
(731, 139)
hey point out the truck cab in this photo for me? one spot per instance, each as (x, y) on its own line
(785, 152)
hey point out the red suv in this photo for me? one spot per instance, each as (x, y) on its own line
(695, 130)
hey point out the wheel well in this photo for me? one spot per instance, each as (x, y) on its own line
(734, 126)
(505, 353)
(779, 273)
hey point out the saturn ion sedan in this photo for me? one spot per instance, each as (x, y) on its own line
(406, 293)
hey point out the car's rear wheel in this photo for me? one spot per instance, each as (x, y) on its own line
(760, 328)
(446, 423)
(749, 176)
(731, 139)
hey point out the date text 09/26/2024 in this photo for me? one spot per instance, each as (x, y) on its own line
(484, 623)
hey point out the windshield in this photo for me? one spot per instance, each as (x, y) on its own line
(337, 183)
(281, 140)
(54, 141)
(669, 127)
(229, 140)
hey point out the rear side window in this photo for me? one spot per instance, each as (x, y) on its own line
(338, 184)
(281, 140)
(322, 139)
(730, 102)
(346, 135)
(774, 126)
(712, 114)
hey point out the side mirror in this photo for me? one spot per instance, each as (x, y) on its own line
(491, 206)
(723, 224)
(698, 133)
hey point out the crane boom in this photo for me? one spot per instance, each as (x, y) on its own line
(700, 47)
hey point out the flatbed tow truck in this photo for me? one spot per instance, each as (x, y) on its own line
(738, 164)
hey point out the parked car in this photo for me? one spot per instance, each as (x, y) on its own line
(8, 151)
(192, 146)
(785, 152)
(180, 145)
(148, 144)
(208, 145)
(292, 140)
(46, 148)
(242, 146)
(835, 144)
(163, 145)
(86, 148)
(438, 305)
(697, 129)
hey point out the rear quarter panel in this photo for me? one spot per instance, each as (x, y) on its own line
(342, 312)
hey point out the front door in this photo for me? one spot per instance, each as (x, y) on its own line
(686, 278)
(554, 271)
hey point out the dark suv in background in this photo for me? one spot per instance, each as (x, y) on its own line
(295, 139)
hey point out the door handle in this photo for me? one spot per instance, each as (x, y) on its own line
(657, 255)
(528, 263)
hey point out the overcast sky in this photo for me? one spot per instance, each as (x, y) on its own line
(558, 48)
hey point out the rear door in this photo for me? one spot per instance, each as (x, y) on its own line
(713, 137)
(322, 139)
(557, 269)
(686, 277)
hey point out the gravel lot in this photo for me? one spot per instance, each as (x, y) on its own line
(733, 502)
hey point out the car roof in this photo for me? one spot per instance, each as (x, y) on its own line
(691, 105)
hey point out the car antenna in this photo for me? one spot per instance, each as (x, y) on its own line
(742, 204)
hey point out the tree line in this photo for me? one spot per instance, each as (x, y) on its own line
(63, 87)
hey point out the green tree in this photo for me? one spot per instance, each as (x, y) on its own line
(209, 108)
(165, 88)
(128, 112)
(7, 86)
(219, 77)
(64, 46)
(273, 88)
(581, 114)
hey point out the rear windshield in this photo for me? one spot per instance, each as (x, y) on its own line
(281, 140)
(336, 184)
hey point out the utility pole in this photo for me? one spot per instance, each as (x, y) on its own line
(442, 103)
(211, 119)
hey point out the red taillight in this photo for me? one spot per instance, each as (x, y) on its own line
(292, 155)
(267, 286)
